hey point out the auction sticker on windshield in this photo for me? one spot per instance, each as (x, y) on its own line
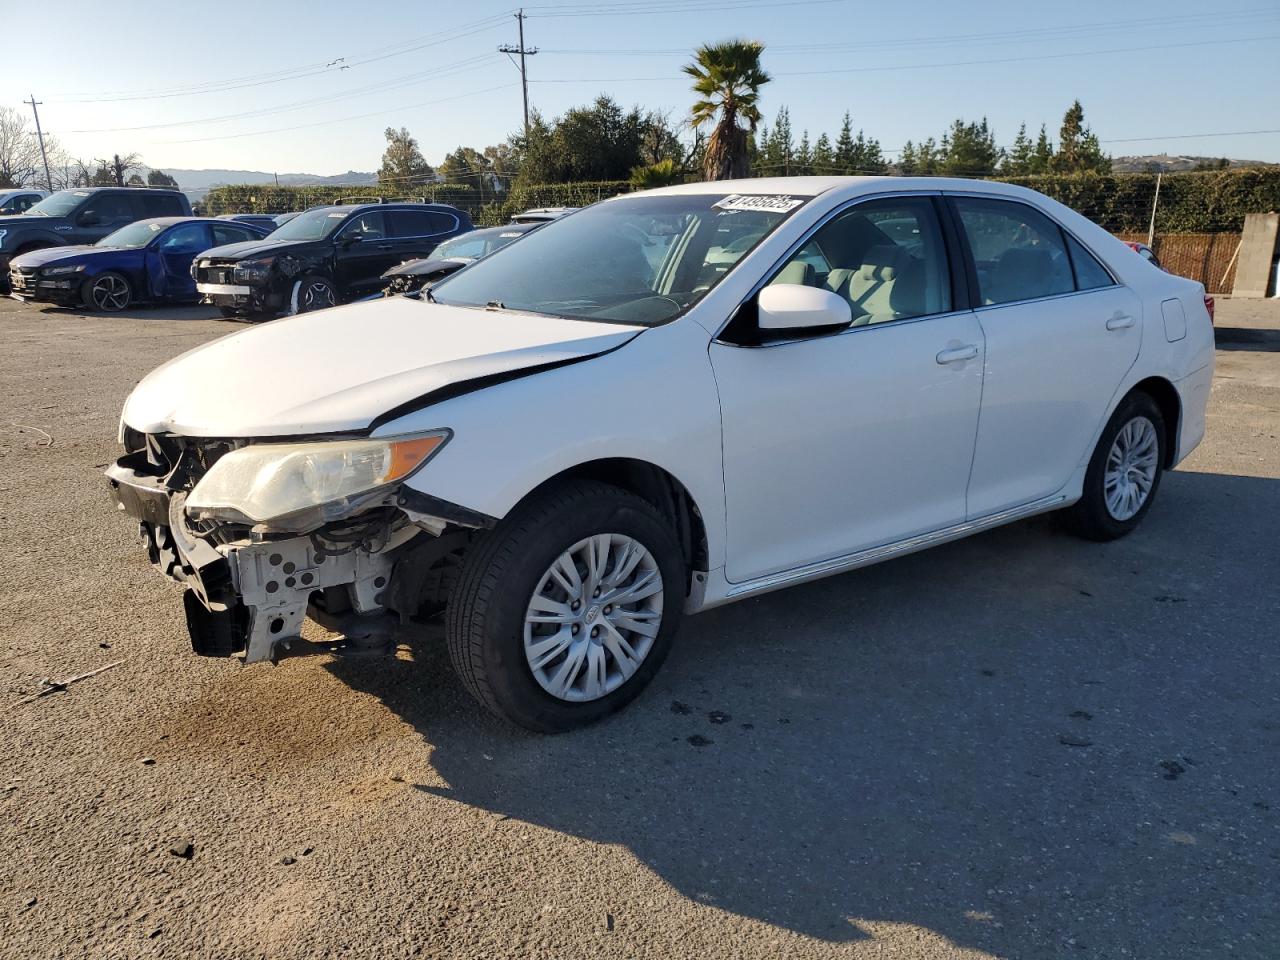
(745, 201)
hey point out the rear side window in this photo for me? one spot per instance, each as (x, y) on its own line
(421, 223)
(161, 205)
(1090, 274)
(225, 233)
(1018, 252)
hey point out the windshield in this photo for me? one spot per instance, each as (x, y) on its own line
(132, 237)
(642, 259)
(59, 204)
(478, 243)
(311, 225)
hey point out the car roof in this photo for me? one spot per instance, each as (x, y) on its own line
(843, 186)
(172, 221)
(390, 204)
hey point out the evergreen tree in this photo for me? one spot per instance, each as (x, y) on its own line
(844, 152)
(1042, 156)
(802, 165)
(969, 150)
(1078, 149)
(867, 157)
(908, 162)
(1017, 162)
(823, 157)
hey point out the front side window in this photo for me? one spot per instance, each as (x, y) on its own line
(885, 257)
(1018, 252)
(366, 226)
(642, 259)
(185, 238)
(107, 210)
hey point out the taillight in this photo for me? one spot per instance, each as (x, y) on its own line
(1208, 305)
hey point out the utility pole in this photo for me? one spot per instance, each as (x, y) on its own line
(48, 180)
(524, 51)
(1155, 202)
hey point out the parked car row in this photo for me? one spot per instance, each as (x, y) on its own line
(108, 248)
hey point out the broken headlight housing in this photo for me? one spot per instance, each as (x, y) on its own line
(253, 271)
(299, 486)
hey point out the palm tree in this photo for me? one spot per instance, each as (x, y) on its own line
(728, 77)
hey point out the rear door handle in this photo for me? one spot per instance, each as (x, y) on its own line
(1120, 321)
(958, 354)
(386, 246)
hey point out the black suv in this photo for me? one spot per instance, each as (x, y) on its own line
(82, 216)
(324, 256)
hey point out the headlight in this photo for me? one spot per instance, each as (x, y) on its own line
(299, 486)
(253, 271)
(60, 271)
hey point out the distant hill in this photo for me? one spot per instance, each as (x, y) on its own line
(1164, 163)
(196, 183)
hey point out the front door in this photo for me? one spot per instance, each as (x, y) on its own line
(841, 442)
(1060, 335)
(175, 250)
(364, 251)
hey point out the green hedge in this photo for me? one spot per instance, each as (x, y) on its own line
(1211, 202)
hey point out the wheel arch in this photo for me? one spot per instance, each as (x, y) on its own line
(1165, 394)
(40, 242)
(659, 487)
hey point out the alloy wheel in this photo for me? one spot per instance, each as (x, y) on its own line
(593, 617)
(316, 295)
(110, 293)
(1131, 468)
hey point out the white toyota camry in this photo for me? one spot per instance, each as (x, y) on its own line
(658, 404)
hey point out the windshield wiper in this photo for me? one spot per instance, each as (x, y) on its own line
(495, 305)
(428, 295)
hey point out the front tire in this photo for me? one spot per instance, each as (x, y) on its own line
(109, 292)
(566, 610)
(312, 292)
(1124, 472)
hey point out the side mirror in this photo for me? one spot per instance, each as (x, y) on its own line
(790, 306)
(89, 219)
(351, 239)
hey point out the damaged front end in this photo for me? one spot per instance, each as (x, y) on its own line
(357, 561)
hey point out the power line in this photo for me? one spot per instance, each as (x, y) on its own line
(297, 73)
(925, 66)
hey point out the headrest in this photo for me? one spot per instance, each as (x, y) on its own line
(882, 262)
(799, 272)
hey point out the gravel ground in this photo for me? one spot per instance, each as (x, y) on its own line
(1019, 745)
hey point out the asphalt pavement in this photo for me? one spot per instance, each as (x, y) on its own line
(1018, 745)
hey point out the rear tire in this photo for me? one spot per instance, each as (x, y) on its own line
(1124, 472)
(533, 651)
(109, 292)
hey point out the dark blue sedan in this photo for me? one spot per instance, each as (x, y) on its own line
(148, 261)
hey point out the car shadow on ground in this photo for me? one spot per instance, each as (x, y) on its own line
(155, 312)
(1029, 744)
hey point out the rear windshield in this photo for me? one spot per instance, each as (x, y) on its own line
(641, 260)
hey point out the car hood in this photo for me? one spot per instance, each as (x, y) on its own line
(51, 255)
(338, 370)
(257, 248)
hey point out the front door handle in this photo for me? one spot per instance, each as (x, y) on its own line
(958, 354)
(385, 246)
(1120, 321)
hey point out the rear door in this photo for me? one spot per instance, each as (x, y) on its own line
(1060, 335)
(415, 233)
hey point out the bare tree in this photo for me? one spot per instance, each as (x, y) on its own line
(119, 167)
(19, 149)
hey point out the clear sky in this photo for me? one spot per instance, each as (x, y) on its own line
(260, 85)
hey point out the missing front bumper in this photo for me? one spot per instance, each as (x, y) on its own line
(246, 598)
